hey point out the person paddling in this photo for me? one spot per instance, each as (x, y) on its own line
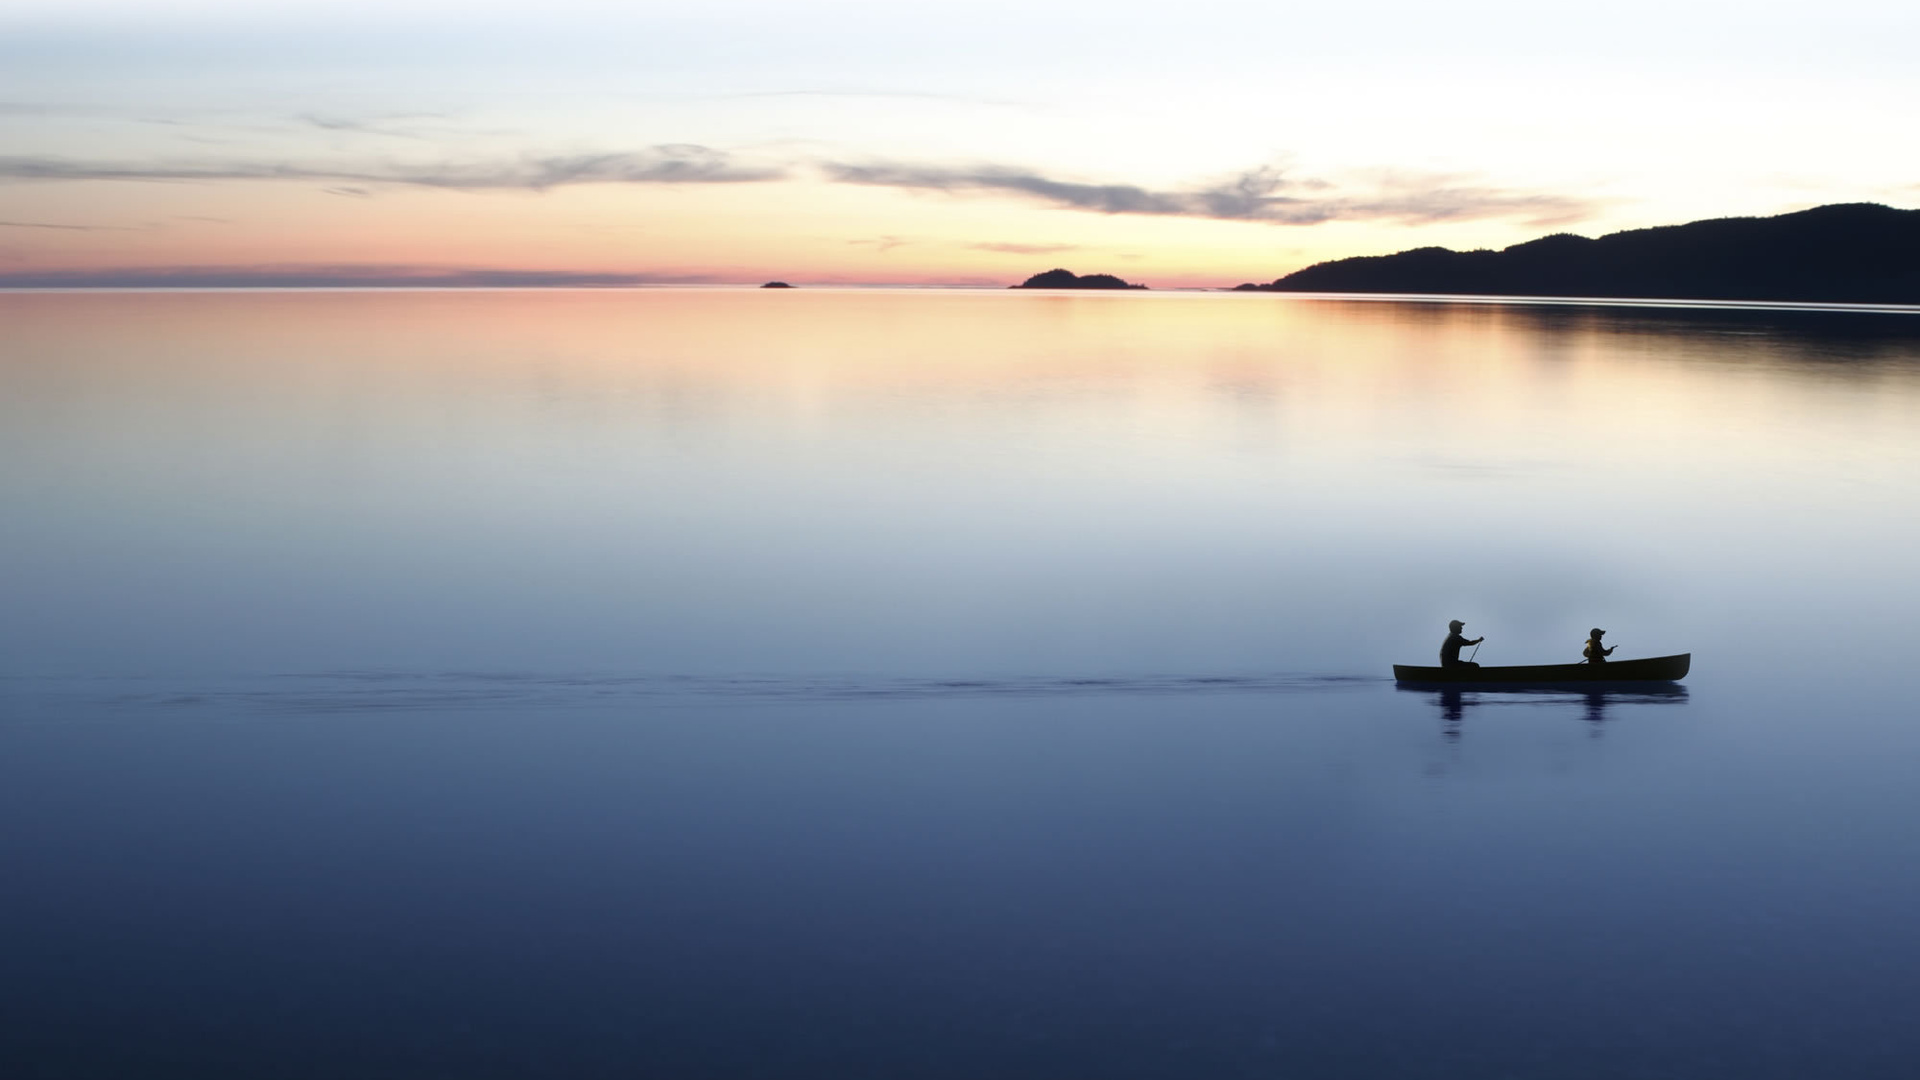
(1450, 649)
(1595, 652)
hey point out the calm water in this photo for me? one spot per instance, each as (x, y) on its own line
(893, 684)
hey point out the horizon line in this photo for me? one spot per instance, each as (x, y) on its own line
(1683, 303)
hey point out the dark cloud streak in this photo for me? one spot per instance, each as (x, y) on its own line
(1264, 195)
(355, 127)
(1259, 195)
(1105, 198)
(666, 164)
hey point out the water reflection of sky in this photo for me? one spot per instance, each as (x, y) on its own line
(724, 481)
(715, 683)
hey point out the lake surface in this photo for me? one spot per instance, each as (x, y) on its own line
(703, 682)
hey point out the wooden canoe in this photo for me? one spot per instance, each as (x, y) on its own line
(1653, 669)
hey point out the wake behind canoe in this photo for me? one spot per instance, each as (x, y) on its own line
(1649, 670)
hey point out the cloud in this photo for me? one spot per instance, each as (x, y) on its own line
(333, 123)
(1422, 198)
(1025, 249)
(1264, 194)
(352, 126)
(666, 164)
(1106, 198)
(413, 126)
(327, 276)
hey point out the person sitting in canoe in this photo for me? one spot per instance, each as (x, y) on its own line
(1450, 649)
(1595, 652)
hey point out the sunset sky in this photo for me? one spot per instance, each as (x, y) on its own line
(858, 142)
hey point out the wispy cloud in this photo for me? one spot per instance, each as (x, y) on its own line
(1025, 249)
(666, 164)
(1264, 194)
(353, 126)
(1106, 198)
(411, 126)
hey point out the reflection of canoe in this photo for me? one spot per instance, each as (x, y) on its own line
(1651, 669)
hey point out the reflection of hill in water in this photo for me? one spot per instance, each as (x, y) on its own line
(1798, 334)
(1784, 336)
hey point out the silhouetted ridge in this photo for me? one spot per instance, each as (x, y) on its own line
(1067, 279)
(776, 285)
(1861, 253)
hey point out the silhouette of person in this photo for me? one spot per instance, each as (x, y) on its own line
(1450, 649)
(1595, 652)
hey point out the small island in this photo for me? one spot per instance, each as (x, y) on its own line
(1858, 253)
(1067, 279)
(776, 285)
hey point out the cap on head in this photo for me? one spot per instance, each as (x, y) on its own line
(1598, 632)
(1455, 624)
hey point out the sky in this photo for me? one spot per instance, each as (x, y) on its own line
(571, 142)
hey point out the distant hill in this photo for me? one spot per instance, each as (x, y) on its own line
(1067, 279)
(1861, 253)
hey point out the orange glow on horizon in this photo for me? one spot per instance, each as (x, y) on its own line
(806, 233)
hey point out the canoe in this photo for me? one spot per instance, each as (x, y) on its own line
(1653, 669)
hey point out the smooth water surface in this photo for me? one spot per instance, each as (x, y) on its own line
(892, 683)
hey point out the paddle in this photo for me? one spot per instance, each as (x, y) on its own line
(1475, 652)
